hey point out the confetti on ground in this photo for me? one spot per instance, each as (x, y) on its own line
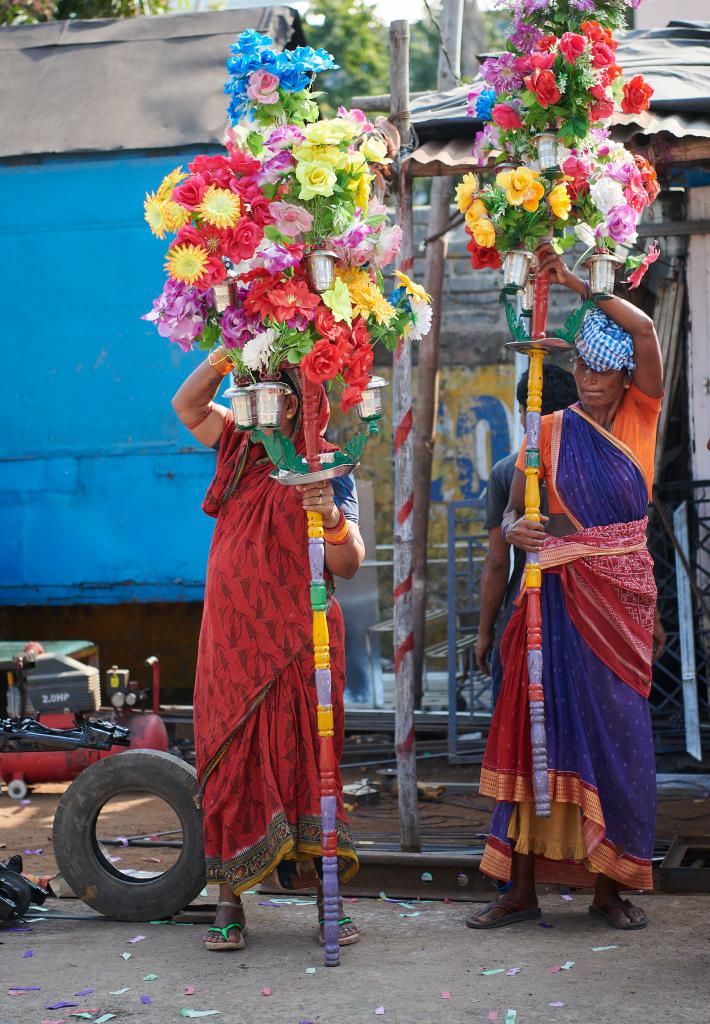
(54, 1022)
(380, 1010)
(554, 970)
(27, 953)
(126, 956)
(568, 899)
(122, 840)
(152, 860)
(25, 802)
(18, 929)
(310, 970)
(146, 1000)
(600, 949)
(82, 1015)
(556, 1005)
(60, 1005)
(197, 1013)
(25, 988)
(446, 995)
(104, 1018)
(494, 970)
(266, 992)
(34, 853)
(119, 991)
(136, 938)
(150, 977)
(567, 966)
(511, 1016)
(493, 1015)
(115, 860)
(190, 990)
(414, 913)
(85, 992)
(513, 971)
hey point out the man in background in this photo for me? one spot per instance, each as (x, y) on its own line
(500, 586)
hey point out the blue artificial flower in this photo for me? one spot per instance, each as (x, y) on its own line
(397, 295)
(251, 40)
(485, 103)
(309, 59)
(294, 80)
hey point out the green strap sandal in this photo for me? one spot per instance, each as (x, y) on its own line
(345, 940)
(228, 943)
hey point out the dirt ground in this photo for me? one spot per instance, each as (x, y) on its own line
(416, 962)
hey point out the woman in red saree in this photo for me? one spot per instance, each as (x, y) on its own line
(597, 601)
(256, 734)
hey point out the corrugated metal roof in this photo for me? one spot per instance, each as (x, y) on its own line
(123, 84)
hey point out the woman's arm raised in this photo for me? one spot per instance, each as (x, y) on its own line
(193, 400)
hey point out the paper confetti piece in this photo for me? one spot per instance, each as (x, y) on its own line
(104, 1018)
(556, 1005)
(137, 938)
(544, 924)
(566, 898)
(33, 853)
(414, 913)
(266, 992)
(493, 1015)
(511, 1016)
(494, 970)
(554, 970)
(190, 990)
(18, 929)
(115, 860)
(150, 977)
(54, 1022)
(380, 1010)
(85, 992)
(60, 1005)
(197, 1013)
(25, 988)
(25, 802)
(82, 1015)
(27, 953)
(122, 840)
(126, 956)
(513, 971)
(15, 992)
(119, 991)
(310, 970)
(146, 1000)
(152, 860)
(446, 995)
(567, 966)
(600, 949)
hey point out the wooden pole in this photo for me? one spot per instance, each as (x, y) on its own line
(405, 749)
(442, 189)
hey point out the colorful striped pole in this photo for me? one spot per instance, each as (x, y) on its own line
(533, 573)
(321, 657)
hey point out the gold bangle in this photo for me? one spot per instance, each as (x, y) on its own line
(224, 358)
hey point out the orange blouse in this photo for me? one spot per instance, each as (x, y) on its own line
(634, 426)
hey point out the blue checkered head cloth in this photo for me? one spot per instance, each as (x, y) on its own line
(604, 345)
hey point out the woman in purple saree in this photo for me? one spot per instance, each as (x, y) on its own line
(598, 600)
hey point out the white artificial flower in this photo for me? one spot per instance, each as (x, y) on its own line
(606, 193)
(256, 352)
(421, 320)
(584, 234)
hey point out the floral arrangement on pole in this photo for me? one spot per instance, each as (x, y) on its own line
(279, 242)
(546, 101)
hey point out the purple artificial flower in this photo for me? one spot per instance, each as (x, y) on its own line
(180, 312)
(485, 141)
(273, 168)
(524, 36)
(277, 258)
(621, 223)
(285, 136)
(354, 235)
(634, 4)
(619, 172)
(584, 5)
(501, 74)
(529, 7)
(238, 327)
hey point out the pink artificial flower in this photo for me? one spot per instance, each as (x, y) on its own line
(284, 137)
(542, 61)
(572, 46)
(291, 220)
(505, 116)
(634, 279)
(621, 223)
(387, 245)
(272, 170)
(263, 87)
(358, 118)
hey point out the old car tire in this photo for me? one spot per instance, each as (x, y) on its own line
(90, 874)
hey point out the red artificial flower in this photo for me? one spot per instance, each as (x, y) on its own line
(353, 393)
(323, 362)
(484, 258)
(360, 333)
(292, 297)
(522, 65)
(542, 60)
(602, 55)
(505, 116)
(325, 324)
(360, 363)
(648, 176)
(546, 43)
(598, 34)
(605, 76)
(544, 85)
(241, 163)
(214, 272)
(637, 95)
(634, 279)
(604, 107)
(212, 168)
(187, 235)
(189, 193)
(262, 284)
(242, 241)
(572, 46)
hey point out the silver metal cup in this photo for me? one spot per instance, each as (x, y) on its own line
(243, 402)
(223, 295)
(320, 269)
(370, 405)
(527, 299)
(270, 397)
(548, 152)
(602, 268)
(516, 269)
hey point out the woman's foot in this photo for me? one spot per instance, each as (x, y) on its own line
(349, 931)
(617, 912)
(505, 910)
(229, 925)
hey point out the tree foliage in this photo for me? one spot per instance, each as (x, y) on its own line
(29, 12)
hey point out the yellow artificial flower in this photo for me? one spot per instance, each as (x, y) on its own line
(355, 163)
(354, 277)
(371, 302)
(337, 299)
(560, 201)
(321, 154)
(520, 186)
(475, 211)
(156, 215)
(186, 262)
(165, 191)
(316, 179)
(533, 196)
(362, 191)
(484, 233)
(330, 132)
(412, 287)
(219, 207)
(465, 191)
(374, 150)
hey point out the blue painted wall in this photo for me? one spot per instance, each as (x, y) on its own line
(100, 485)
